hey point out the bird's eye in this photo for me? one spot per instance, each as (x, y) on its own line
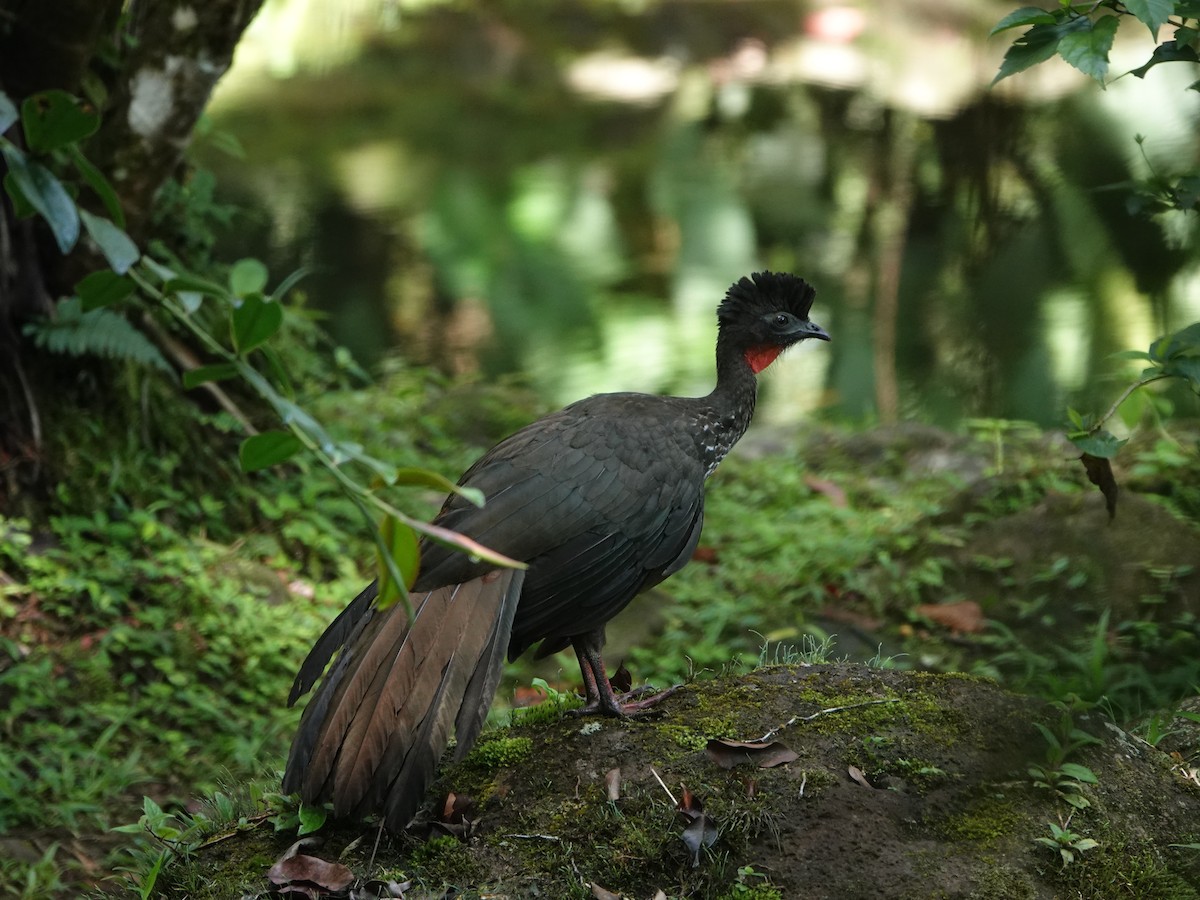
(781, 319)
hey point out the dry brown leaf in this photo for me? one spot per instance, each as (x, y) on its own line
(612, 784)
(689, 804)
(456, 818)
(1100, 473)
(728, 754)
(857, 775)
(964, 617)
(621, 680)
(299, 873)
(603, 893)
(701, 830)
(827, 488)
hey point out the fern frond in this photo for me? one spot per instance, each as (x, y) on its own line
(97, 332)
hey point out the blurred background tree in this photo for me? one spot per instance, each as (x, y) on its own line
(517, 186)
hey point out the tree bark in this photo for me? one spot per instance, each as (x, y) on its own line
(155, 64)
(180, 52)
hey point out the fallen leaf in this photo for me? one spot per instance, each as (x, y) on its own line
(456, 806)
(700, 833)
(689, 804)
(376, 889)
(1100, 473)
(621, 680)
(728, 754)
(455, 819)
(603, 893)
(701, 830)
(299, 873)
(828, 489)
(659, 895)
(612, 784)
(858, 776)
(963, 617)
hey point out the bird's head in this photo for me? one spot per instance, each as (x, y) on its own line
(766, 313)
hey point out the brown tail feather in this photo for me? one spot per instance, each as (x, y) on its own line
(371, 738)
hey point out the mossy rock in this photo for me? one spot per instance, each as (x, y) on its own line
(941, 803)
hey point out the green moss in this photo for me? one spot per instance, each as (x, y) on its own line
(497, 752)
(1117, 870)
(683, 736)
(988, 819)
(444, 861)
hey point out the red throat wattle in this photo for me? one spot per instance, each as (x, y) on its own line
(761, 357)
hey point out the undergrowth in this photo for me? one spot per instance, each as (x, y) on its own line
(151, 623)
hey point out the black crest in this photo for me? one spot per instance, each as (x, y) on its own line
(765, 292)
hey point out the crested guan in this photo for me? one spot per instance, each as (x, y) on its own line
(602, 500)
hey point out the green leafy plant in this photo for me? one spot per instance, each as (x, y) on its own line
(1171, 356)
(54, 123)
(1066, 843)
(1082, 34)
(1065, 779)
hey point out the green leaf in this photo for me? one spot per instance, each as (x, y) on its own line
(1026, 15)
(1079, 773)
(1037, 45)
(1131, 354)
(8, 112)
(103, 288)
(1184, 367)
(402, 546)
(1169, 51)
(248, 276)
(267, 449)
(1151, 13)
(254, 321)
(53, 119)
(101, 185)
(45, 193)
(311, 819)
(216, 372)
(410, 475)
(1102, 444)
(1184, 342)
(118, 247)
(1087, 48)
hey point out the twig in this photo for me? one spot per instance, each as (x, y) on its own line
(820, 712)
(664, 785)
(536, 837)
(1112, 410)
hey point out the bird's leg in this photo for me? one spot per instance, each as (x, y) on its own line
(600, 698)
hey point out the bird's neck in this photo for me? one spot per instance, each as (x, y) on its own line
(723, 416)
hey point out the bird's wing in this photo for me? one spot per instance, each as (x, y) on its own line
(599, 504)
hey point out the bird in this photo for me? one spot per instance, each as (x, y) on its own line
(600, 500)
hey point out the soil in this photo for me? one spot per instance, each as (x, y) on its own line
(902, 785)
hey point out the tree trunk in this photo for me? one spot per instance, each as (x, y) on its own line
(158, 63)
